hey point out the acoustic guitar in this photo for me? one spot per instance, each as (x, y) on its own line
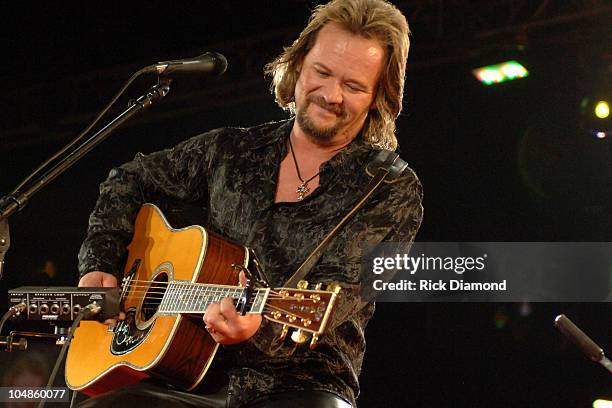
(171, 276)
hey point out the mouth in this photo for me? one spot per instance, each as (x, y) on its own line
(325, 108)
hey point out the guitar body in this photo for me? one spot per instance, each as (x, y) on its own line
(171, 346)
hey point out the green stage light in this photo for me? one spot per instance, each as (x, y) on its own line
(602, 109)
(495, 74)
(600, 403)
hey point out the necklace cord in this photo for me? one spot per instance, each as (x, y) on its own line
(297, 168)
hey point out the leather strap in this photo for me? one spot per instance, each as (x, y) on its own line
(387, 166)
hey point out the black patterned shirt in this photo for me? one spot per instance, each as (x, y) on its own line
(229, 177)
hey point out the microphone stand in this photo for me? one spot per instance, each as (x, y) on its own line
(5, 241)
(16, 201)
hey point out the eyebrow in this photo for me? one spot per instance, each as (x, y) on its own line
(356, 82)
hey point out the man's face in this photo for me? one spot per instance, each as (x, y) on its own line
(337, 85)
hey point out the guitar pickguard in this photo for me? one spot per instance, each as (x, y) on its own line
(127, 336)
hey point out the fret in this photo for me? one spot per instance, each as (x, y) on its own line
(194, 298)
(190, 296)
(179, 298)
(211, 295)
(162, 304)
(170, 296)
(207, 296)
(205, 301)
(186, 297)
(259, 300)
(195, 302)
(165, 305)
(195, 305)
(176, 298)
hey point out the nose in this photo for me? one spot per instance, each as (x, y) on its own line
(333, 93)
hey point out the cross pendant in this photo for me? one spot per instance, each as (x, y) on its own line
(302, 190)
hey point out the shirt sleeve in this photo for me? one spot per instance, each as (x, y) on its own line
(174, 174)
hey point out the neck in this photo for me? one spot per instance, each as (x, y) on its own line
(305, 144)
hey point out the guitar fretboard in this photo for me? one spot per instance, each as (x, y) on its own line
(187, 297)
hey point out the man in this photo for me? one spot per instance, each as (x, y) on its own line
(280, 188)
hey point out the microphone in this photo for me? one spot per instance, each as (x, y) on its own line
(211, 63)
(582, 341)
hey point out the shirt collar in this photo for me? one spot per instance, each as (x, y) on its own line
(270, 136)
(350, 158)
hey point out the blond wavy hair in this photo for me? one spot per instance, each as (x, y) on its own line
(371, 19)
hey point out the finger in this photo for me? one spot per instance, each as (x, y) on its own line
(211, 311)
(215, 323)
(213, 316)
(228, 310)
(90, 281)
(242, 278)
(109, 281)
(220, 329)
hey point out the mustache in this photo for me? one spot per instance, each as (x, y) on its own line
(319, 100)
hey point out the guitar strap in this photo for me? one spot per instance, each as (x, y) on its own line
(386, 167)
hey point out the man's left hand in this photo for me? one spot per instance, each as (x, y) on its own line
(225, 324)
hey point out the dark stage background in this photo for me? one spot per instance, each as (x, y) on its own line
(512, 162)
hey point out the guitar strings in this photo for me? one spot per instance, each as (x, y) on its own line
(272, 294)
(178, 283)
(196, 290)
(172, 296)
(157, 290)
(201, 297)
(266, 309)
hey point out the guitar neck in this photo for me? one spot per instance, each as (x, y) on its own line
(300, 308)
(188, 297)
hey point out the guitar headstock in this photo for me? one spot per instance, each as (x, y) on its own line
(307, 310)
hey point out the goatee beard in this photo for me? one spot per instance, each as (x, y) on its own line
(320, 135)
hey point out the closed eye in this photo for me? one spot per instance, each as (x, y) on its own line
(354, 87)
(322, 74)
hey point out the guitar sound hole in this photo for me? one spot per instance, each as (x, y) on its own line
(154, 296)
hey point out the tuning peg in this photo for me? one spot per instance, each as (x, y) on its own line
(299, 336)
(334, 287)
(302, 284)
(314, 341)
(318, 286)
(284, 332)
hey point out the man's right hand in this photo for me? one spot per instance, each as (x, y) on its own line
(99, 279)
